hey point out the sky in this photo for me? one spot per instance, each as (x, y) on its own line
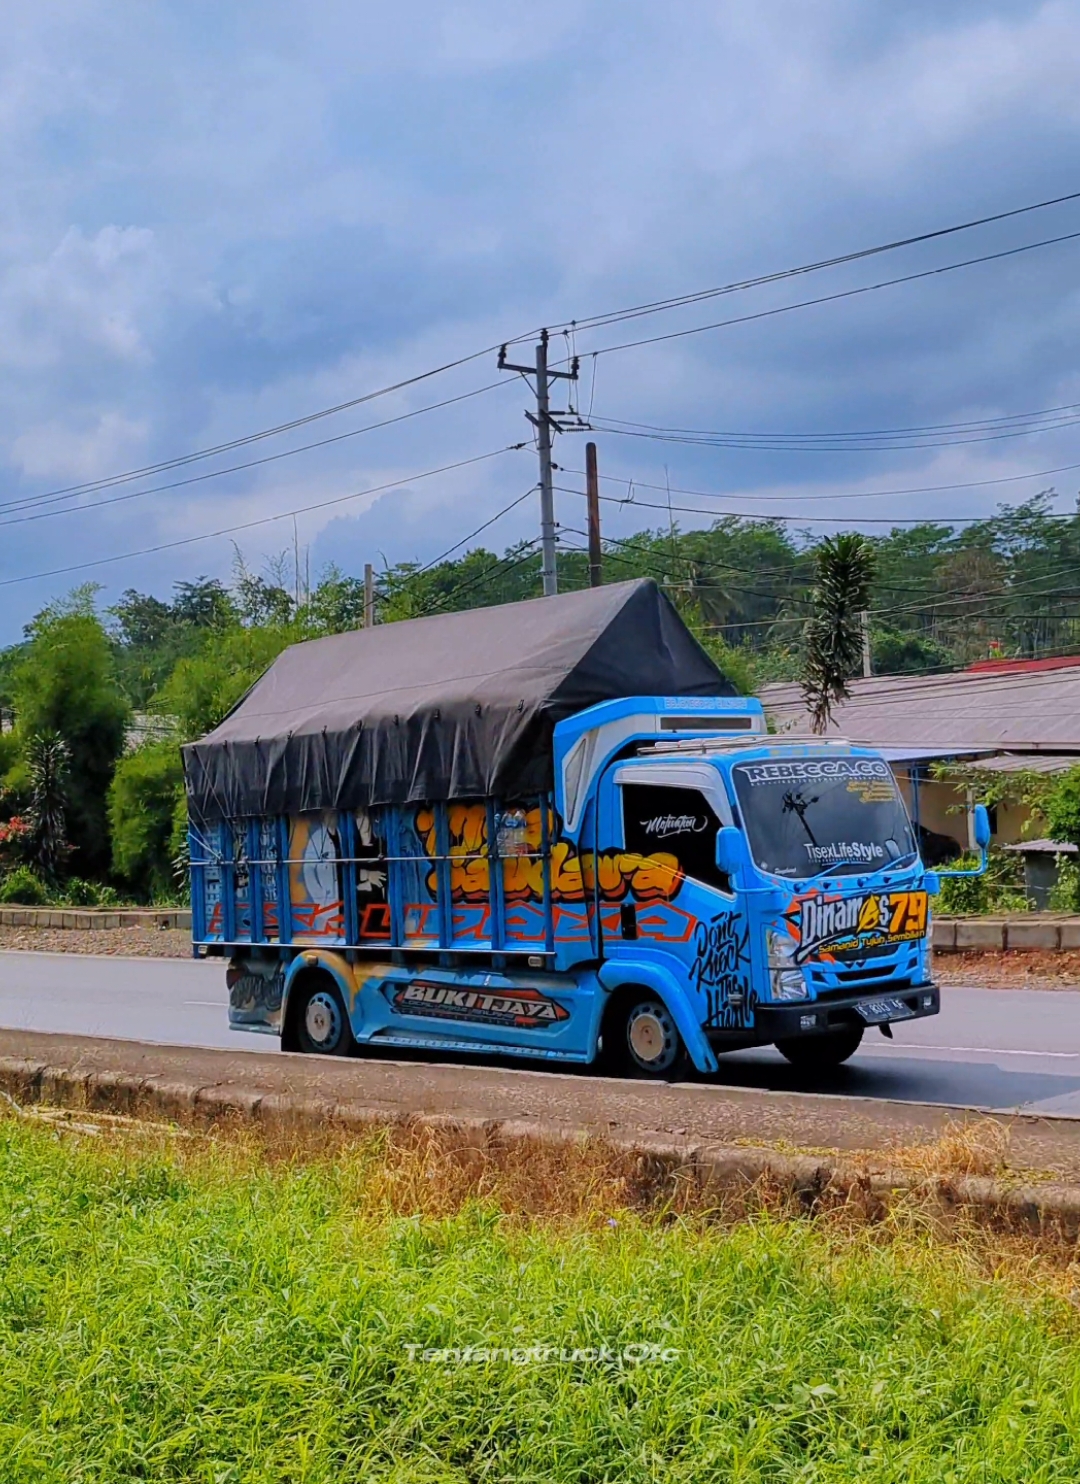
(219, 219)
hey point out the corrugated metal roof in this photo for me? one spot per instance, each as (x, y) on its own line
(958, 713)
(1027, 762)
(1041, 847)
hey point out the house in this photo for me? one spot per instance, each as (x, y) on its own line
(1004, 716)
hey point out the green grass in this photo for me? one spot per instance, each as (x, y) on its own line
(206, 1314)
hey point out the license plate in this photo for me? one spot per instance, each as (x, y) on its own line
(877, 1012)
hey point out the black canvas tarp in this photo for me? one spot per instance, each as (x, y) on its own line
(460, 705)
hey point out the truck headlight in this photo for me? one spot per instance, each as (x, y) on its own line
(786, 980)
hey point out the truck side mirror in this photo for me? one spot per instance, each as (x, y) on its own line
(731, 852)
(982, 826)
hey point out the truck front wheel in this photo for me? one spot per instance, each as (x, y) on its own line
(317, 1019)
(817, 1053)
(641, 1039)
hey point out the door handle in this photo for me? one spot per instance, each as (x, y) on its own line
(628, 920)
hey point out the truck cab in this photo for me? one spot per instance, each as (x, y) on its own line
(779, 896)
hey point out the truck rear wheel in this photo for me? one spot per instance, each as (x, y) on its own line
(817, 1053)
(318, 1020)
(641, 1039)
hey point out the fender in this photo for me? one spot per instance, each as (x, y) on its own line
(334, 964)
(614, 973)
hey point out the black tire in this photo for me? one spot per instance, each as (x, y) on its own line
(318, 1020)
(641, 1039)
(827, 1049)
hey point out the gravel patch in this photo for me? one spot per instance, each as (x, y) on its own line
(131, 942)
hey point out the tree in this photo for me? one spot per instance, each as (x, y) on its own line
(65, 683)
(204, 604)
(204, 688)
(143, 799)
(48, 768)
(832, 638)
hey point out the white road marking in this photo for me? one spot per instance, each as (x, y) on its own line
(981, 1050)
(208, 1004)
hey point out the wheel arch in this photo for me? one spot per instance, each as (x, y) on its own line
(622, 977)
(308, 968)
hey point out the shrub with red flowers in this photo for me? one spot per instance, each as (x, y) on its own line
(14, 841)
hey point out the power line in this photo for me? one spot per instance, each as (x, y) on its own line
(983, 422)
(261, 521)
(297, 422)
(862, 520)
(922, 489)
(658, 306)
(868, 288)
(437, 561)
(790, 443)
(33, 501)
(594, 321)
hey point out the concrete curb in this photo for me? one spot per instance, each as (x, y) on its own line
(92, 918)
(719, 1172)
(1030, 932)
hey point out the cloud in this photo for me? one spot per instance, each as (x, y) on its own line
(217, 220)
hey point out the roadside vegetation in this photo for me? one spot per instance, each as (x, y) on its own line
(184, 1308)
(95, 703)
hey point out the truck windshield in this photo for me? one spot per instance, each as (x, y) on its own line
(823, 816)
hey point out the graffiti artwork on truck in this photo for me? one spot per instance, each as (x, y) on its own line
(721, 971)
(647, 878)
(825, 926)
(315, 880)
(650, 880)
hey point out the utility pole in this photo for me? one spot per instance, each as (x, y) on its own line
(864, 625)
(369, 595)
(544, 422)
(592, 489)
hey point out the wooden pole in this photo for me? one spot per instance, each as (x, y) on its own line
(592, 486)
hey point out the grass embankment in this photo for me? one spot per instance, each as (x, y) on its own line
(201, 1309)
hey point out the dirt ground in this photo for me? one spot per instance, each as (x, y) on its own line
(983, 970)
(1013, 970)
(136, 942)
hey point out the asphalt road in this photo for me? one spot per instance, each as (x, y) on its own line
(989, 1048)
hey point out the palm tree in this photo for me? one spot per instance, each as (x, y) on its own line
(832, 637)
(47, 762)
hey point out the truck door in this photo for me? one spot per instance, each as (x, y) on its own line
(664, 895)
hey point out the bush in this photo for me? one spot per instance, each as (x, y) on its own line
(1001, 889)
(142, 807)
(80, 893)
(23, 888)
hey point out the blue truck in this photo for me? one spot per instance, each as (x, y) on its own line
(481, 834)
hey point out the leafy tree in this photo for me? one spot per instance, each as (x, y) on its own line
(1060, 807)
(143, 800)
(204, 688)
(336, 603)
(833, 634)
(204, 604)
(65, 683)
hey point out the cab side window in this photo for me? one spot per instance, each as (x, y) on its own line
(674, 821)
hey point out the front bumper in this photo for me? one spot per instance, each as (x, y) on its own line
(814, 1017)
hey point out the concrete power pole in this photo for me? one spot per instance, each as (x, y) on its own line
(544, 422)
(369, 595)
(864, 625)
